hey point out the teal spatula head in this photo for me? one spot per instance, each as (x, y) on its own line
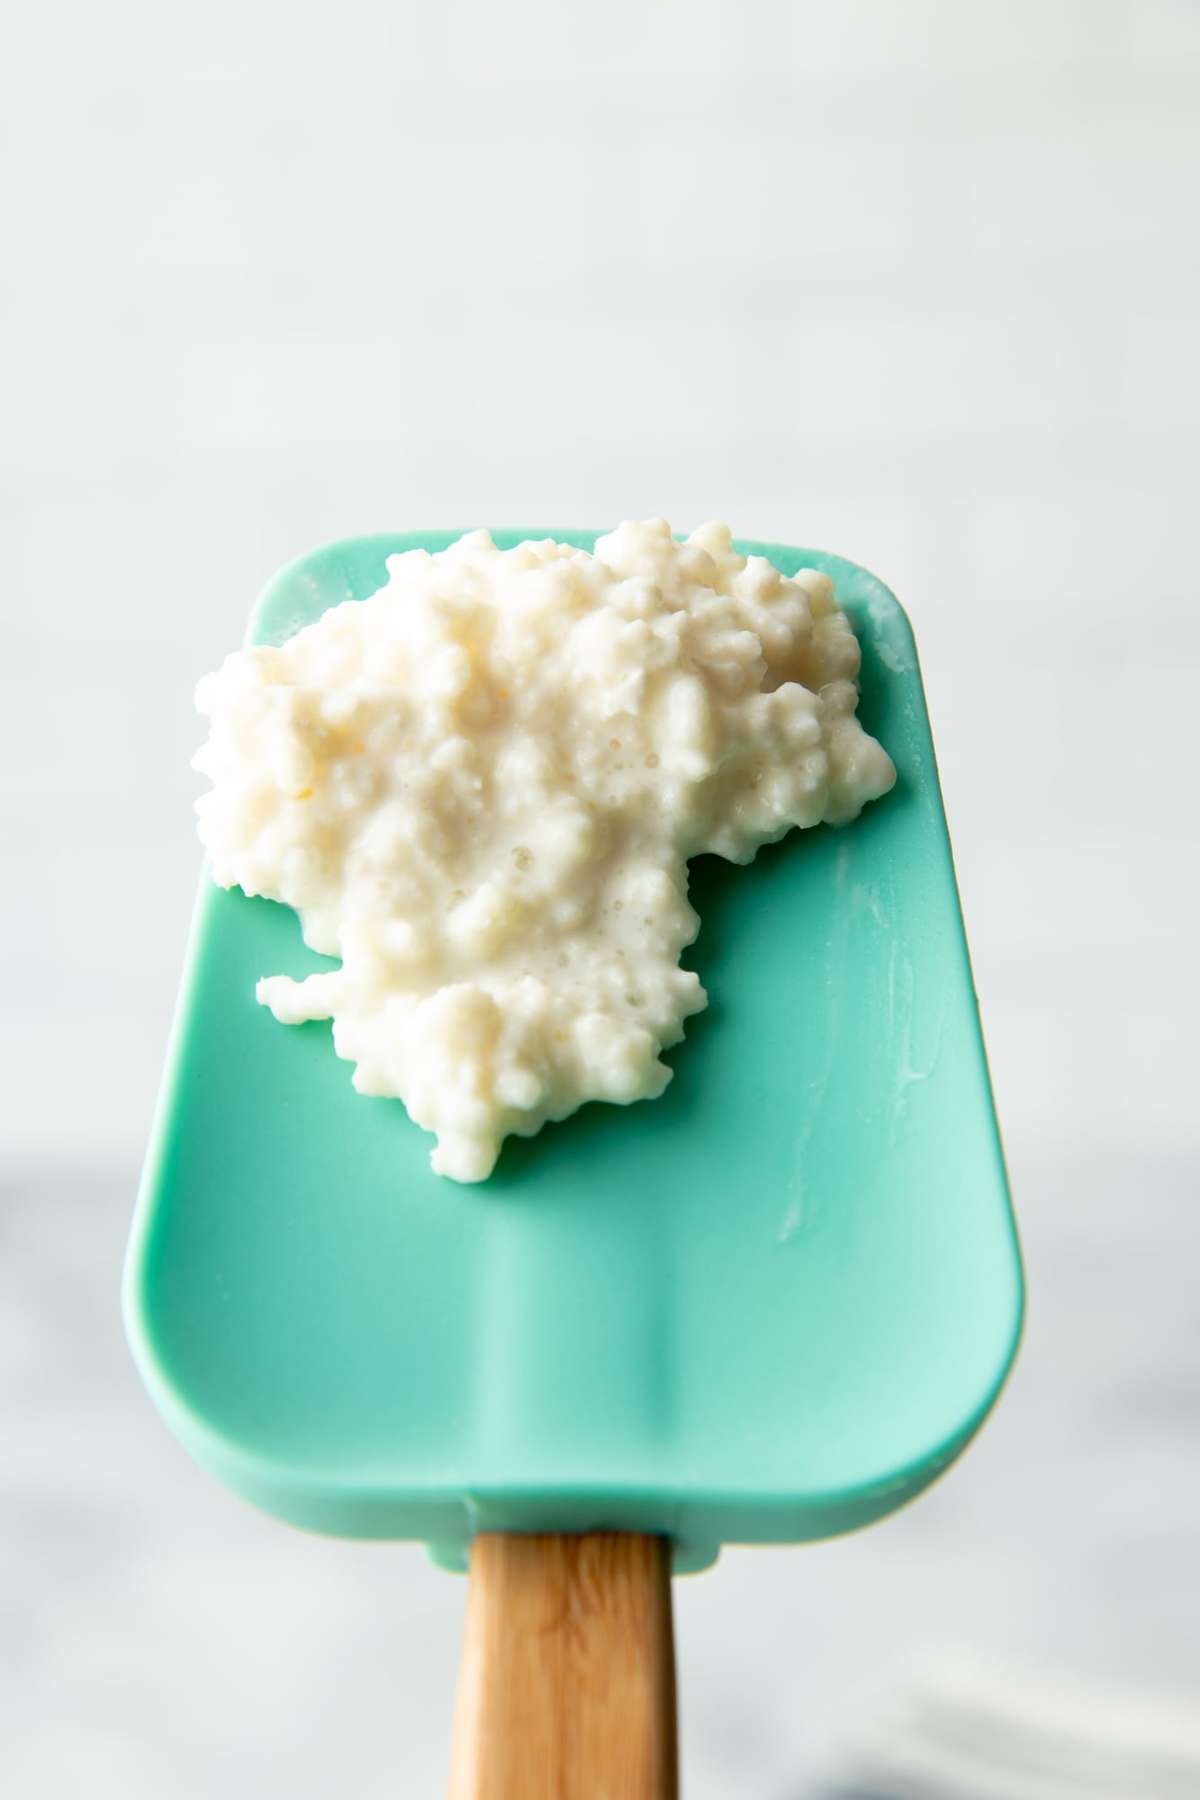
(769, 1306)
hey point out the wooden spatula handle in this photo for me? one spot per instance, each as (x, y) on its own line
(567, 1684)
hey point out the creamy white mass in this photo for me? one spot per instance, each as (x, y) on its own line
(479, 789)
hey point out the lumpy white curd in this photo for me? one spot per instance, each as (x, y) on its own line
(480, 788)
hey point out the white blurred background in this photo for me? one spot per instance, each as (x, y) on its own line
(915, 282)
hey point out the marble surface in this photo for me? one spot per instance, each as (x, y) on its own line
(159, 1637)
(918, 284)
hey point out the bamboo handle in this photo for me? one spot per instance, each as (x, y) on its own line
(567, 1684)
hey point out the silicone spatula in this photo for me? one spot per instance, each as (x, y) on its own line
(770, 1306)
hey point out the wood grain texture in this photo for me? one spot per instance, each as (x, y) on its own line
(567, 1684)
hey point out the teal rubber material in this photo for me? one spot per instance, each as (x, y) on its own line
(770, 1306)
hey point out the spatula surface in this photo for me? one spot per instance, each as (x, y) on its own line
(770, 1306)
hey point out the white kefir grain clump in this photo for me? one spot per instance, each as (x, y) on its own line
(480, 788)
